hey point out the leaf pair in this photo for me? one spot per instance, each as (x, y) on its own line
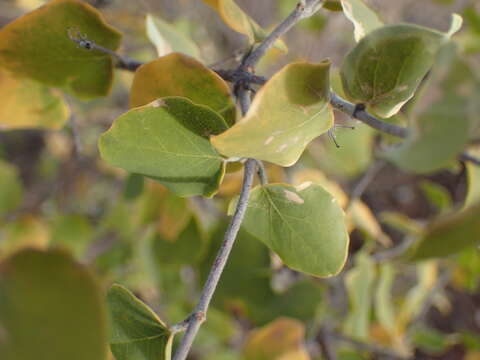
(169, 139)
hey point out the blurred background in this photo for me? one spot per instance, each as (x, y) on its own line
(133, 231)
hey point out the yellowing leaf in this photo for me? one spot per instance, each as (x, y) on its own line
(50, 308)
(167, 39)
(473, 181)
(287, 113)
(236, 19)
(167, 141)
(363, 18)
(38, 46)
(283, 339)
(180, 75)
(136, 332)
(303, 225)
(34, 104)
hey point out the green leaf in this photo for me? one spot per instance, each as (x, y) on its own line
(136, 331)
(11, 190)
(72, 231)
(333, 5)
(436, 140)
(167, 38)
(304, 226)
(50, 308)
(287, 113)
(284, 338)
(38, 46)
(384, 306)
(364, 19)
(239, 21)
(167, 140)
(187, 248)
(180, 75)
(34, 104)
(387, 65)
(359, 283)
(449, 235)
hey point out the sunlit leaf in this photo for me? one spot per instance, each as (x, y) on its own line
(364, 19)
(11, 190)
(387, 65)
(239, 21)
(449, 235)
(167, 38)
(305, 226)
(282, 339)
(180, 75)
(473, 182)
(38, 46)
(136, 332)
(287, 113)
(359, 283)
(50, 308)
(34, 104)
(171, 145)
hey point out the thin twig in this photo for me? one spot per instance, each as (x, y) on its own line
(262, 172)
(366, 180)
(324, 339)
(304, 9)
(394, 252)
(199, 314)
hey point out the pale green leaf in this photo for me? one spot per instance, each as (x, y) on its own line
(287, 113)
(384, 306)
(38, 46)
(136, 332)
(304, 226)
(387, 65)
(359, 282)
(50, 308)
(167, 38)
(473, 182)
(11, 190)
(167, 140)
(449, 235)
(180, 75)
(364, 19)
(436, 140)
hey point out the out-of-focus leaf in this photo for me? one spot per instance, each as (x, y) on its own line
(333, 5)
(287, 113)
(438, 137)
(387, 65)
(449, 235)
(136, 332)
(473, 182)
(354, 155)
(384, 308)
(167, 38)
(38, 46)
(171, 145)
(364, 19)
(50, 308)
(11, 190)
(239, 21)
(187, 248)
(282, 339)
(245, 283)
(437, 195)
(430, 341)
(34, 104)
(303, 225)
(26, 231)
(359, 282)
(134, 186)
(72, 231)
(180, 75)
